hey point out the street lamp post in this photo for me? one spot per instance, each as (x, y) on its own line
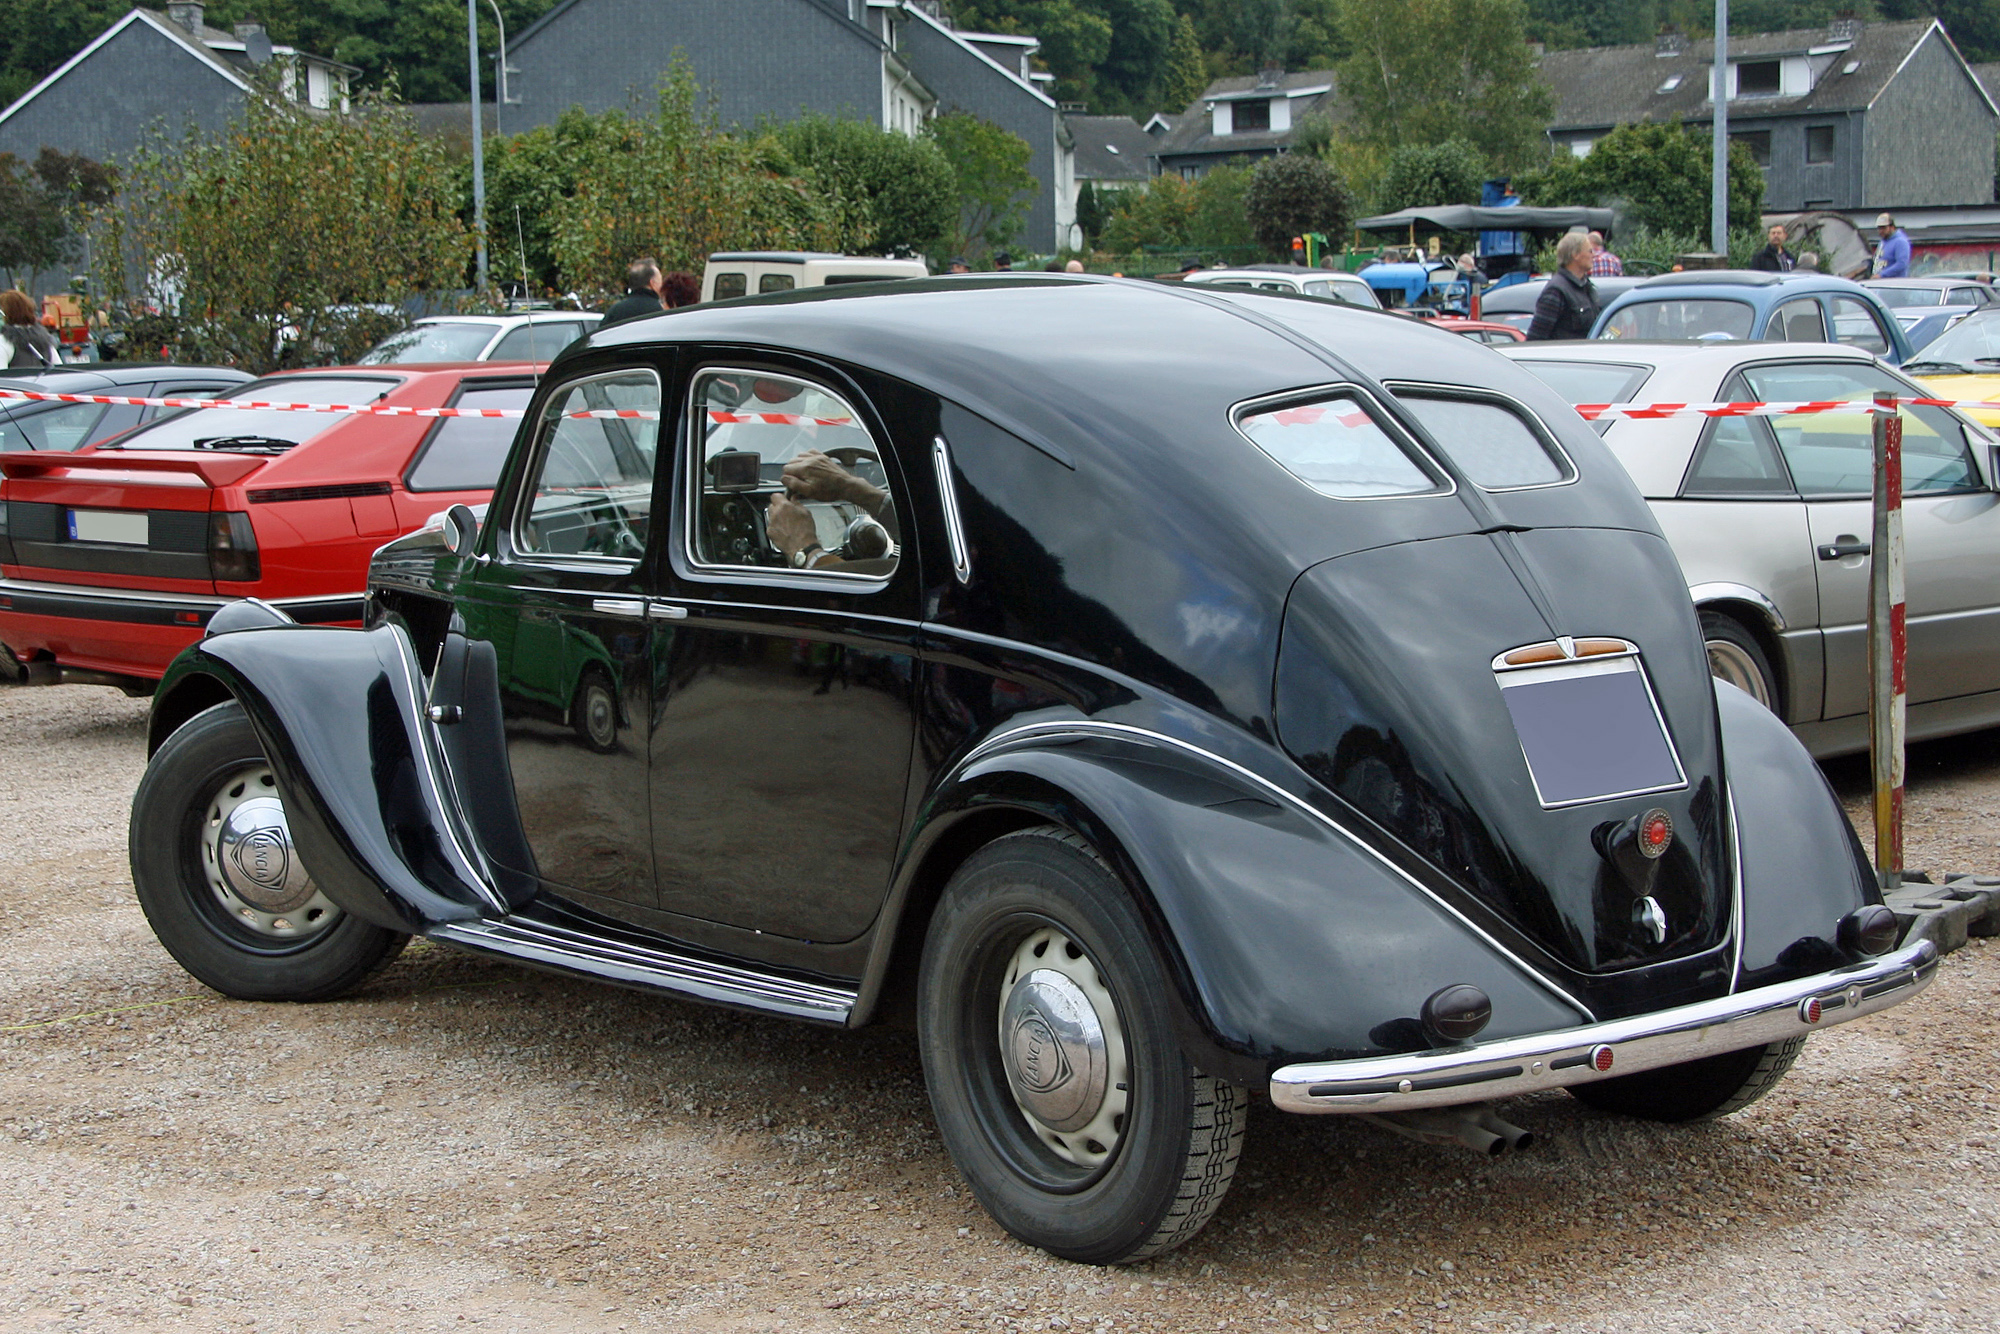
(478, 134)
(1718, 189)
(501, 99)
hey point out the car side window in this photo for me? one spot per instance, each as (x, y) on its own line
(1855, 324)
(590, 483)
(775, 282)
(535, 342)
(1833, 453)
(1797, 322)
(66, 428)
(466, 453)
(786, 476)
(1335, 446)
(1737, 457)
(730, 284)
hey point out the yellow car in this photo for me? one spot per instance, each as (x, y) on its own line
(1963, 363)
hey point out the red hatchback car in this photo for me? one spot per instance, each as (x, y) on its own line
(113, 559)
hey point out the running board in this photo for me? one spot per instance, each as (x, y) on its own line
(547, 945)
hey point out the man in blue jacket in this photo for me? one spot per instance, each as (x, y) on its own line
(1892, 259)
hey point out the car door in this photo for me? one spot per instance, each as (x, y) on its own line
(784, 654)
(1951, 534)
(562, 609)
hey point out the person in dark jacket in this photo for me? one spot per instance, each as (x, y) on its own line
(24, 344)
(1774, 258)
(1568, 304)
(642, 293)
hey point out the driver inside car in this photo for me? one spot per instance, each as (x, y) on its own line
(814, 476)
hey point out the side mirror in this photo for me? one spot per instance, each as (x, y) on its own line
(461, 530)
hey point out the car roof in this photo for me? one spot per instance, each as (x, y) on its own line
(1750, 283)
(1274, 271)
(511, 317)
(1692, 356)
(1924, 280)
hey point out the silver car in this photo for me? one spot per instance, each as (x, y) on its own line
(1328, 284)
(1771, 520)
(522, 336)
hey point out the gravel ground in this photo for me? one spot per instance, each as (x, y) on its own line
(462, 1144)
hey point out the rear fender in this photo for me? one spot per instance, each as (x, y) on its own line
(339, 715)
(1284, 935)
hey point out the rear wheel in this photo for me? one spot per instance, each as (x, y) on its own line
(219, 880)
(1049, 1052)
(1696, 1090)
(1735, 656)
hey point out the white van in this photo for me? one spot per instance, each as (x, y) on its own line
(750, 272)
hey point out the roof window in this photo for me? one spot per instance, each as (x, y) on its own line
(1673, 82)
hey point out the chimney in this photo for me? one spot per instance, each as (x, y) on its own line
(1271, 76)
(186, 15)
(245, 31)
(1845, 28)
(1670, 42)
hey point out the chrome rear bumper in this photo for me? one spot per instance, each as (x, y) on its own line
(1513, 1066)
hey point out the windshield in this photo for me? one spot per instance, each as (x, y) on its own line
(1974, 342)
(1901, 298)
(1681, 318)
(445, 340)
(252, 430)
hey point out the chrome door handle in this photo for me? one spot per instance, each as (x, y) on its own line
(1844, 546)
(618, 606)
(666, 611)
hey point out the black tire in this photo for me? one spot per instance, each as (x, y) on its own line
(593, 714)
(1697, 1090)
(268, 950)
(1735, 656)
(1175, 1144)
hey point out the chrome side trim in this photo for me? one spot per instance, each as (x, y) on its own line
(1700, 594)
(573, 951)
(1735, 889)
(1125, 731)
(954, 529)
(1513, 1066)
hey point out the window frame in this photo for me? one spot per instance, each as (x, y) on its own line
(1832, 146)
(689, 493)
(1538, 428)
(1445, 482)
(523, 499)
(437, 427)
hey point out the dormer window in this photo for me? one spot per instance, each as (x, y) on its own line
(1759, 78)
(1253, 115)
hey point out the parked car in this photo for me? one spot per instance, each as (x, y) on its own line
(1726, 304)
(760, 272)
(29, 424)
(1770, 518)
(1904, 294)
(1514, 303)
(1481, 331)
(114, 558)
(1309, 705)
(1964, 364)
(1324, 283)
(529, 336)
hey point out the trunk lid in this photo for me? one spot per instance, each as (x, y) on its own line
(116, 519)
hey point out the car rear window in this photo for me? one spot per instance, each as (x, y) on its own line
(465, 453)
(1491, 443)
(1336, 447)
(447, 340)
(1682, 317)
(1897, 298)
(1590, 381)
(257, 430)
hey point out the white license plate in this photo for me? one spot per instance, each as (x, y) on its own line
(120, 527)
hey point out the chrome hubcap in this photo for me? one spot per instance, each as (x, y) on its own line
(600, 717)
(1728, 662)
(1063, 1048)
(251, 866)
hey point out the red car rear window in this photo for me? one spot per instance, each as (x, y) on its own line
(258, 430)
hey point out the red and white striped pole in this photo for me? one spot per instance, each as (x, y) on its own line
(1888, 641)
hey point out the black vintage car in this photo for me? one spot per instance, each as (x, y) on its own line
(1160, 696)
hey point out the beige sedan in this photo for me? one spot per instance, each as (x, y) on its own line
(1771, 520)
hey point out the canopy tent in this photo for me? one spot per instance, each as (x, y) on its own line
(1473, 218)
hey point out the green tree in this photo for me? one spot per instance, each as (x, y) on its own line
(1293, 194)
(1422, 174)
(1112, 54)
(1659, 173)
(528, 178)
(1242, 36)
(995, 186)
(272, 241)
(1426, 71)
(43, 207)
(1186, 75)
(1175, 214)
(900, 192)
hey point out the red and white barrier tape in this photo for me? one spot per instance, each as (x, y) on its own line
(396, 410)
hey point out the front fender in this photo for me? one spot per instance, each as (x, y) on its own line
(339, 713)
(1287, 936)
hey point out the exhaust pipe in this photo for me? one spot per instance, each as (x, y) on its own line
(47, 672)
(1472, 1125)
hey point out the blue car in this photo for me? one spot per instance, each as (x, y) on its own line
(1743, 304)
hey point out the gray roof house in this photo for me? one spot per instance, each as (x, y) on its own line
(172, 69)
(1112, 152)
(1250, 116)
(1855, 115)
(888, 61)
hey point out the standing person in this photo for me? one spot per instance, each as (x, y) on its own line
(1604, 264)
(1568, 304)
(30, 346)
(1003, 262)
(642, 293)
(1774, 258)
(958, 265)
(679, 288)
(1892, 258)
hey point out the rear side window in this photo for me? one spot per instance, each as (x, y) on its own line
(536, 342)
(775, 282)
(465, 453)
(1694, 317)
(1336, 447)
(1590, 382)
(1738, 457)
(1797, 322)
(730, 284)
(1855, 324)
(67, 427)
(1491, 443)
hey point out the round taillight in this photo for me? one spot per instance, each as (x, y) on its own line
(1456, 1013)
(1869, 930)
(1601, 1058)
(1656, 832)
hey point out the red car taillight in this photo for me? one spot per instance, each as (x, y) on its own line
(232, 547)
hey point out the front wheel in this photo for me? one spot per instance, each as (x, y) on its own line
(221, 884)
(1049, 1052)
(1694, 1090)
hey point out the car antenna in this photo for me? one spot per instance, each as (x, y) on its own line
(521, 241)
